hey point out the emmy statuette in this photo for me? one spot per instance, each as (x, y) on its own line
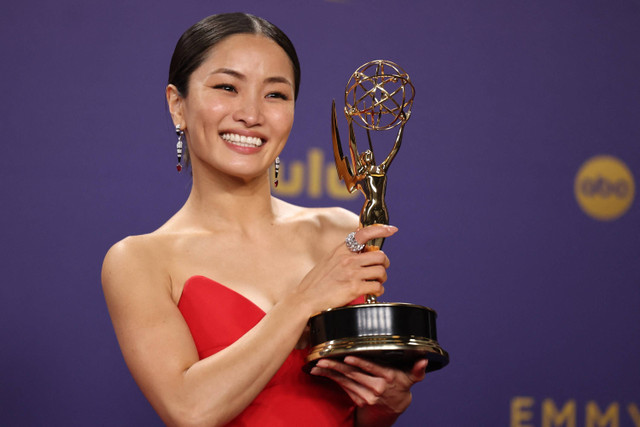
(378, 97)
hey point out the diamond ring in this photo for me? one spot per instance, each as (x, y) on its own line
(352, 243)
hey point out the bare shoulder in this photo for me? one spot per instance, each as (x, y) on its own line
(131, 251)
(329, 225)
(326, 217)
(336, 219)
(135, 259)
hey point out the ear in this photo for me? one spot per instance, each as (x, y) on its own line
(175, 101)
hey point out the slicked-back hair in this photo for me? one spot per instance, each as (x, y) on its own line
(193, 46)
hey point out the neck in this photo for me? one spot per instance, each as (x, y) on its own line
(231, 203)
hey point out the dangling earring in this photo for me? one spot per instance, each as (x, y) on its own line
(277, 167)
(180, 134)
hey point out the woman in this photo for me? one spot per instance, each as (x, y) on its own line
(210, 309)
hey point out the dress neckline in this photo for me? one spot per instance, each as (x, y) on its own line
(215, 282)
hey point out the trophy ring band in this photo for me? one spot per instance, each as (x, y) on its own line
(352, 243)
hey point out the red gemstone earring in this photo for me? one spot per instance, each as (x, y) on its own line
(180, 134)
(277, 171)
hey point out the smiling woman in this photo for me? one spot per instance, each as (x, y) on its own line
(239, 111)
(195, 43)
(210, 309)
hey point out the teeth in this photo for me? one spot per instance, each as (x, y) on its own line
(241, 140)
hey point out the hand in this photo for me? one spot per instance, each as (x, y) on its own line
(382, 390)
(343, 276)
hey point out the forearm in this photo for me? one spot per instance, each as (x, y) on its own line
(214, 390)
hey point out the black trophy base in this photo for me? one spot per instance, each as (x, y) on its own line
(390, 334)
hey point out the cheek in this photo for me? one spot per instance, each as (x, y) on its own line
(284, 120)
(205, 111)
(203, 125)
(213, 112)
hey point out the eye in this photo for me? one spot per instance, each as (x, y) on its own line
(225, 87)
(278, 95)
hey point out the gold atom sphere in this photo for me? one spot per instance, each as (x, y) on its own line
(380, 94)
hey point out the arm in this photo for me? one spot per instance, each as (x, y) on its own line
(396, 146)
(160, 353)
(381, 393)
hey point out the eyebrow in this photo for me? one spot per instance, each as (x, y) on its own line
(278, 79)
(238, 75)
(228, 71)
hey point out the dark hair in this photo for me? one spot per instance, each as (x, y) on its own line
(195, 43)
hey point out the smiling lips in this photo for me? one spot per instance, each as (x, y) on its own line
(241, 140)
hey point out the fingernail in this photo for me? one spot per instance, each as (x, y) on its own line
(350, 360)
(323, 363)
(314, 371)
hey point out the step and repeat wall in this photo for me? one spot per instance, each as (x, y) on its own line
(515, 192)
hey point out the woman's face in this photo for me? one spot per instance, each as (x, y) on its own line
(239, 110)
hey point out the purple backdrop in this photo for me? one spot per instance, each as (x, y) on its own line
(539, 303)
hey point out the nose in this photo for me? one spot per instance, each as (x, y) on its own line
(249, 111)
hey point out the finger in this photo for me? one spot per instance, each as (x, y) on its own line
(371, 287)
(418, 372)
(374, 385)
(369, 258)
(360, 393)
(343, 368)
(376, 273)
(371, 368)
(374, 231)
(345, 383)
(359, 401)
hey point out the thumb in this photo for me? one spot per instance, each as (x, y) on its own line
(374, 231)
(418, 371)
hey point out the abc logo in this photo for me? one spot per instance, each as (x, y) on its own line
(604, 188)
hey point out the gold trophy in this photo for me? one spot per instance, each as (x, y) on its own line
(378, 97)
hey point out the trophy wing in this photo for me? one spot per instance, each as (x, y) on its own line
(345, 171)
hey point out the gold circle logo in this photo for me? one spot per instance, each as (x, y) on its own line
(604, 188)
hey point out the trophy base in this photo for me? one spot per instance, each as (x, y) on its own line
(391, 334)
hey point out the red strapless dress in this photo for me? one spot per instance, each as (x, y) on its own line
(217, 316)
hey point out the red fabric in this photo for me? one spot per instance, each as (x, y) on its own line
(217, 316)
